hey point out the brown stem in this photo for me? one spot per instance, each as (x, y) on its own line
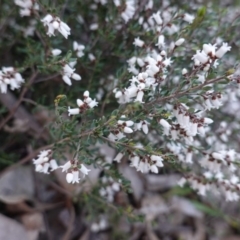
(179, 94)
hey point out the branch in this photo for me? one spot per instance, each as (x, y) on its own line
(179, 94)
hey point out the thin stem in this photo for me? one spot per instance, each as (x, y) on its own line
(179, 94)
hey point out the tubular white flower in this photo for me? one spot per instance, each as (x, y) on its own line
(164, 123)
(53, 165)
(184, 71)
(93, 26)
(145, 127)
(84, 170)
(189, 157)
(66, 166)
(160, 42)
(157, 18)
(69, 177)
(46, 166)
(154, 169)
(138, 42)
(54, 23)
(76, 178)
(93, 103)
(76, 77)
(67, 80)
(129, 123)
(209, 49)
(86, 94)
(73, 111)
(135, 161)
(207, 120)
(80, 102)
(182, 182)
(179, 42)
(201, 56)
(56, 52)
(139, 97)
(38, 168)
(127, 130)
(222, 50)
(118, 157)
(188, 18)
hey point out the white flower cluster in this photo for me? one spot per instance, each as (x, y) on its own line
(87, 103)
(154, 67)
(230, 188)
(101, 225)
(10, 76)
(146, 163)
(142, 125)
(110, 188)
(212, 100)
(44, 162)
(73, 171)
(78, 48)
(123, 126)
(54, 23)
(209, 55)
(159, 21)
(27, 7)
(129, 9)
(68, 72)
(216, 160)
(188, 124)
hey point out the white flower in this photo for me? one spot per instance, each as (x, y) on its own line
(68, 72)
(54, 23)
(93, 26)
(9, 76)
(76, 178)
(222, 50)
(56, 52)
(73, 111)
(78, 48)
(66, 166)
(127, 130)
(91, 57)
(209, 49)
(84, 170)
(45, 168)
(27, 7)
(164, 123)
(53, 165)
(188, 18)
(184, 71)
(138, 42)
(154, 169)
(182, 182)
(157, 18)
(118, 157)
(69, 177)
(201, 56)
(139, 97)
(160, 42)
(179, 42)
(129, 11)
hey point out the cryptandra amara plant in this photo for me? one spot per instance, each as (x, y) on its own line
(161, 101)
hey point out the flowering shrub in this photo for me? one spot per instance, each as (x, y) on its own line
(162, 96)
